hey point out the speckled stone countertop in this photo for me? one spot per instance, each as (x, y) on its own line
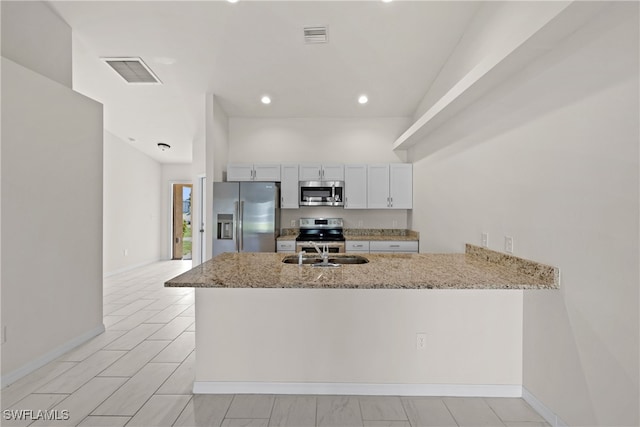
(381, 234)
(472, 270)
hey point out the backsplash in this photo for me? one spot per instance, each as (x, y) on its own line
(547, 273)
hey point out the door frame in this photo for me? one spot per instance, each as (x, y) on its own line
(170, 213)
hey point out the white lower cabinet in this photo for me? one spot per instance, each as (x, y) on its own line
(286, 246)
(410, 246)
(382, 246)
(356, 246)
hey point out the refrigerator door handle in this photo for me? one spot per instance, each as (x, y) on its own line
(237, 223)
(241, 222)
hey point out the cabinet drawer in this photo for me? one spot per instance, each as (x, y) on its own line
(286, 246)
(393, 246)
(357, 246)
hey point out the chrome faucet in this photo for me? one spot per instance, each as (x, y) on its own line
(324, 253)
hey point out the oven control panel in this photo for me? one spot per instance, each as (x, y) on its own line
(320, 222)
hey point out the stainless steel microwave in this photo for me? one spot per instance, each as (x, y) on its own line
(321, 193)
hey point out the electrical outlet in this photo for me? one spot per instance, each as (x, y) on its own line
(421, 341)
(508, 244)
(359, 223)
(293, 223)
(394, 224)
(484, 240)
(125, 252)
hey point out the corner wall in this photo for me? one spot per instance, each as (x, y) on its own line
(550, 157)
(51, 219)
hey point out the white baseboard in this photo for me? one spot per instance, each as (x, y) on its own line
(50, 356)
(542, 409)
(366, 389)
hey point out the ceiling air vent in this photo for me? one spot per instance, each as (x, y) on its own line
(133, 70)
(316, 35)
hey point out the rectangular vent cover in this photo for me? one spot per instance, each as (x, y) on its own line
(316, 35)
(133, 70)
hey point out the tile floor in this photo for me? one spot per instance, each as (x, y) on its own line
(140, 373)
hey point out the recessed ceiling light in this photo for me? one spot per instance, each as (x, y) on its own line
(387, 1)
(163, 146)
(363, 99)
(232, 1)
(265, 99)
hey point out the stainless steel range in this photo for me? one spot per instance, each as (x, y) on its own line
(322, 231)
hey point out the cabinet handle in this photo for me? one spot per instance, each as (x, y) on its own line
(346, 202)
(394, 246)
(391, 201)
(388, 203)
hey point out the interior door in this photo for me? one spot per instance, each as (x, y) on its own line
(182, 230)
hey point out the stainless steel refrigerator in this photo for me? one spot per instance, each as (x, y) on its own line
(247, 216)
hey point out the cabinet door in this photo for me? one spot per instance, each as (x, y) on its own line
(310, 172)
(286, 246)
(266, 172)
(289, 187)
(394, 246)
(378, 186)
(355, 186)
(332, 172)
(401, 185)
(361, 246)
(240, 172)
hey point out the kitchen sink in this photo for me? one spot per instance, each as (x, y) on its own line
(293, 259)
(349, 259)
(334, 261)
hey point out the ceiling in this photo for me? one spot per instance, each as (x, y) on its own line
(392, 52)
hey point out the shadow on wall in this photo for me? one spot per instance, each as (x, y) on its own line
(527, 95)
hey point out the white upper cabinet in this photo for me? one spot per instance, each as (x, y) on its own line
(289, 187)
(355, 186)
(322, 172)
(390, 186)
(253, 172)
(401, 185)
(378, 186)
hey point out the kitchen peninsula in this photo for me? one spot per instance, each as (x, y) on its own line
(402, 324)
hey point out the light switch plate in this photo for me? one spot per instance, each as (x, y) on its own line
(508, 244)
(484, 240)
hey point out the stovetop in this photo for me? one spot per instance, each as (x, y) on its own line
(320, 230)
(332, 235)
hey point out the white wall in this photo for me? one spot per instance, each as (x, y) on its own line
(171, 174)
(51, 218)
(551, 158)
(367, 337)
(496, 29)
(36, 38)
(337, 140)
(132, 206)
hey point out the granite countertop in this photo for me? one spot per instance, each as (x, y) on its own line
(477, 268)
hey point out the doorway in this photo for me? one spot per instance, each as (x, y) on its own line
(182, 227)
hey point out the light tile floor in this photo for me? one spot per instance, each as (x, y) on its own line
(140, 373)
